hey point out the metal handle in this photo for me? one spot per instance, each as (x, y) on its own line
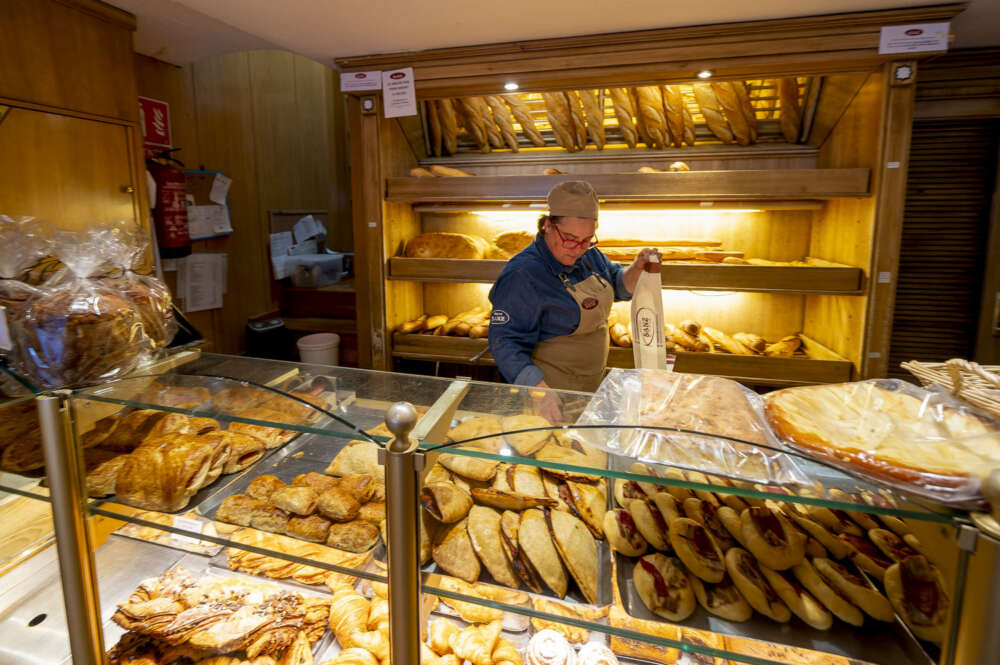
(128, 189)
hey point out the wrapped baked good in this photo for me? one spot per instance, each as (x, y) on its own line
(447, 246)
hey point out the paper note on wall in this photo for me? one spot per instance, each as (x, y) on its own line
(208, 221)
(202, 277)
(220, 188)
(398, 93)
(280, 244)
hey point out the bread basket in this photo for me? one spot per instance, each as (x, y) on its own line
(970, 381)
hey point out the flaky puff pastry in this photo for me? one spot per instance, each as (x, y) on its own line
(475, 644)
(439, 635)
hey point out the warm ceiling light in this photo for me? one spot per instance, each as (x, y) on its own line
(705, 74)
(510, 85)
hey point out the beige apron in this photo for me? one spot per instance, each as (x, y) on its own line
(576, 361)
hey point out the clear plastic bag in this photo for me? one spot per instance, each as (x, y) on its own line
(24, 242)
(922, 442)
(76, 330)
(742, 448)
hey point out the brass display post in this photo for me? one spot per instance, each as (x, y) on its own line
(401, 462)
(69, 515)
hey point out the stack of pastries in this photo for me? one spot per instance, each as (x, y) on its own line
(245, 561)
(522, 524)
(736, 555)
(343, 512)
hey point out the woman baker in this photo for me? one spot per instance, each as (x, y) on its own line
(549, 326)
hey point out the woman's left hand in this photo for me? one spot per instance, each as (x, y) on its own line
(632, 273)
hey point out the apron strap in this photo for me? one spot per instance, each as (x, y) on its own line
(593, 272)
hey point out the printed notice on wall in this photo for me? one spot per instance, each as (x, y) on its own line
(914, 38)
(398, 94)
(357, 81)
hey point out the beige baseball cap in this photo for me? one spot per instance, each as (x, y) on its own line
(573, 198)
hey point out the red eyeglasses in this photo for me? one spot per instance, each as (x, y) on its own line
(567, 243)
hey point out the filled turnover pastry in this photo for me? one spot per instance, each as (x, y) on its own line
(833, 600)
(622, 534)
(722, 599)
(771, 539)
(663, 587)
(742, 568)
(867, 557)
(916, 589)
(706, 514)
(854, 589)
(697, 550)
(798, 600)
(650, 522)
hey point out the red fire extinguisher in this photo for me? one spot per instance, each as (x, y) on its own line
(170, 206)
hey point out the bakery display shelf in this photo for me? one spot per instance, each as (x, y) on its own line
(758, 370)
(874, 642)
(818, 280)
(688, 186)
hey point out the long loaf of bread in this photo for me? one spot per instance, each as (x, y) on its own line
(449, 125)
(651, 110)
(579, 120)
(711, 109)
(748, 110)
(594, 115)
(726, 342)
(673, 105)
(640, 122)
(523, 117)
(788, 103)
(504, 120)
(492, 131)
(624, 110)
(433, 127)
(475, 123)
(732, 109)
(557, 110)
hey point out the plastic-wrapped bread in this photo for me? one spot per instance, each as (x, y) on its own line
(475, 123)
(783, 348)
(523, 117)
(788, 104)
(711, 109)
(673, 106)
(748, 110)
(557, 109)
(433, 127)
(732, 109)
(449, 125)
(594, 114)
(504, 120)
(624, 110)
(579, 121)
(651, 110)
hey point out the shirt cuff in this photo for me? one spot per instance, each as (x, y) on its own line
(529, 376)
(621, 293)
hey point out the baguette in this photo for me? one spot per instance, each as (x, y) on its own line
(748, 110)
(479, 330)
(449, 125)
(640, 122)
(673, 105)
(416, 325)
(684, 340)
(418, 172)
(594, 112)
(624, 110)
(783, 348)
(523, 117)
(650, 169)
(732, 108)
(632, 242)
(489, 125)
(717, 255)
(689, 134)
(788, 103)
(557, 110)
(433, 127)
(755, 343)
(475, 123)
(504, 120)
(651, 110)
(579, 120)
(450, 324)
(435, 321)
(707, 341)
(551, 171)
(711, 109)
(732, 260)
(448, 172)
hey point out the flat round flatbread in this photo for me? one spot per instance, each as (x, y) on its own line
(651, 524)
(916, 590)
(706, 514)
(854, 588)
(769, 537)
(695, 547)
(663, 587)
(622, 534)
(722, 599)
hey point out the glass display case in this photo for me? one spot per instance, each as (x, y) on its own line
(237, 510)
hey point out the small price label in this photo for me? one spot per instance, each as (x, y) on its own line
(187, 524)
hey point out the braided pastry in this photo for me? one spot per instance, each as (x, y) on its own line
(624, 110)
(788, 102)
(449, 125)
(503, 119)
(557, 109)
(595, 116)
(651, 111)
(732, 108)
(523, 117)
(711, 109)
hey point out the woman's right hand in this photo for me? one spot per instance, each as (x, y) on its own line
(547, 404)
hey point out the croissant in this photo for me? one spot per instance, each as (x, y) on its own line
(373, 641)
(506, 652)
(353, 656)
(439, 634)
(348, 613)
(475, 645)
(378, 615)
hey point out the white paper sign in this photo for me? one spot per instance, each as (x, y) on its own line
(280, 243)
(220, 188)
(306, 228)
(5, 342)
(307, 247)
(398, 95)
(208, 221)
(187, 524)
(203, 278)
(355, 81)
(914, 38)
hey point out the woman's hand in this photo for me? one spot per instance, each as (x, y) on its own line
(631, 275)
(547, 404)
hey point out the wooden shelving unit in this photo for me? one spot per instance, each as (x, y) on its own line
(770, 184)
(767, 279)
(751, 369)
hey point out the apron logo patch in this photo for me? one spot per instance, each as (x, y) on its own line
(589, 303)
(499, 317)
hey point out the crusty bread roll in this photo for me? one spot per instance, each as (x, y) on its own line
(594, 114)
(447, 246)
(551, 171)
(475, 122)
(433, 127)
(513, 242)
(620, 335)
(679, 166)
(419, 172)
(416, 325)
(650, 169)
(497, 254)
(783, 348)
(651, 110)
(435, 321)
(788, 104)
(624, 110)
(449, 125)
(690, 326)
(755, 343)
(732, 109)
(711, 109)
(523, 117)
(673, 106)
(503, 120)
(725, 342)
(557, 110)
(748, 110)
(448, 172)
(579, 120)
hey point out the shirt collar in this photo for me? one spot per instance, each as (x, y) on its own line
(550, 260)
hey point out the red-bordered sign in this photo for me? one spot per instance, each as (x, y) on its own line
(154, 117)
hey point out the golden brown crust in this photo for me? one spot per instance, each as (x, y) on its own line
(650, 108)
(711, 110)
(449, 125)
(434, 127)
(788, 104)
(624, 112)
(523, 117)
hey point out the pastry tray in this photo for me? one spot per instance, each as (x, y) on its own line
(875, 642)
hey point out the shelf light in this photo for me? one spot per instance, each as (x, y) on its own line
(705, 74)
(510, 86)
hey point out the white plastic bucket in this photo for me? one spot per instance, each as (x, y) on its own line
(320, 349)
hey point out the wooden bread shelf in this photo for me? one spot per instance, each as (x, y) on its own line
(768, 279)
(751, 369)
(688, 185)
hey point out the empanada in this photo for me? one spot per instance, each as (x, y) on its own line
(510, 524)
(525, 479)
(474, 468)
(503, 500)
(578, 549)
(356, 457)
(526, 443)
(553, 452)
(483, 526)
(453, 552)
(535, 541)
(590, 503)
(446, 502)
(476, 427)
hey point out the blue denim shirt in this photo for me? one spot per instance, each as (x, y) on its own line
(530, 304)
